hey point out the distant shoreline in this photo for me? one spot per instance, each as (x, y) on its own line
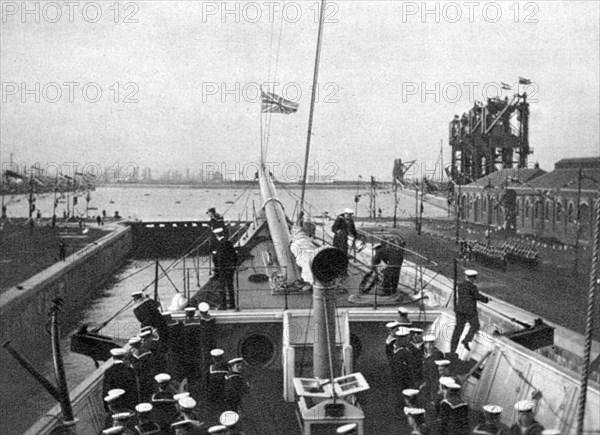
(225, 186)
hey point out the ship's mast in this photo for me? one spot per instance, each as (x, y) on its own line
(312, 102)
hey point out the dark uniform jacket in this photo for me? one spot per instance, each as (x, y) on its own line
(393, 257)
(144, 365)
(467, 297)
(534, 429)
(342, 228)
(454, 417)
(216, 383)
(236, 388)
(226, 257)
(403, 364)
(120, 375)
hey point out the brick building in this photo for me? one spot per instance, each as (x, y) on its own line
(531, 201)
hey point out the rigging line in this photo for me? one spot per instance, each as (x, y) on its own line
(169, 278)
(270, 114)
(132, 274)
(103, 324)
(237, 199)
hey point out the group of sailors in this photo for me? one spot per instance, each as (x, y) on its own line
(428, 393)
(143, 389)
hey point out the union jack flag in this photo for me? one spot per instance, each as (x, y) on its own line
(272, 103)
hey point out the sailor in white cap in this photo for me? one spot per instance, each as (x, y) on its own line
(492, 424)
(114, 402)
(348, 429)
(389, 340)
(183, 427)
(190, 312)
(121, 375)
(225, 260)
(145, 424)
(113, 430)
(526, 423)
(416, 420)
(403, 365)
(165, 406)
(342, 228)
(187, 406)
(465, 310)
(236, 386)
(551, 432)
(218, 430)
(216, 381)
(124, 419)
(231, 420)
(431, 375)
(454, 412)
(411, 397)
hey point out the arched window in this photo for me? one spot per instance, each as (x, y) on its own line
(527, 208)
(519, 207)
(570, 214)
(547, 211)
(559, 211)
(476, 209)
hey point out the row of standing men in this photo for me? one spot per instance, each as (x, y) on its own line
(428, 394)
(187, 351)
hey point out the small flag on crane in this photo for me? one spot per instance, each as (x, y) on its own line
(524, 81)
(506, 86)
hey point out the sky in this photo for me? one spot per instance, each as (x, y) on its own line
(174, 85)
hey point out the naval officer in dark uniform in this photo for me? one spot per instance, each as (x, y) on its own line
(466, 310)
(225, 260)
(121, 375)
(236, 386)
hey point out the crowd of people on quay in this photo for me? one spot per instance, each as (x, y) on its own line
(428, 391)
(172, 378)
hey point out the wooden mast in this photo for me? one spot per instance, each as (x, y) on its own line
(312, 103)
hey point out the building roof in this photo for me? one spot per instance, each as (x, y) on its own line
(582, 162)
(569, 179)
(502, 178)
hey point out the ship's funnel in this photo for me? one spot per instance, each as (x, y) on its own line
(329, 264)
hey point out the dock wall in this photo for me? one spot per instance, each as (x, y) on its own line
(24, 312)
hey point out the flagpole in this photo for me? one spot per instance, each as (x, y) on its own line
(312, 103)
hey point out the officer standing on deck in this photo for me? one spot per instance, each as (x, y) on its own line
(466, 310)
(225, 260)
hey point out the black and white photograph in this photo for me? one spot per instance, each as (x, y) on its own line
(299, 217)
